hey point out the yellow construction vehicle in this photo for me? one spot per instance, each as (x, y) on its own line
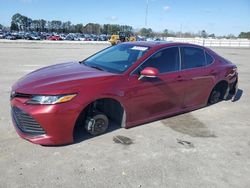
(121, 37)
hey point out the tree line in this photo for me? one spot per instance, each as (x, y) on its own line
(23, 23)
(244, 35)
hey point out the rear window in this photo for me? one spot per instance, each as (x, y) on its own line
(192, 57)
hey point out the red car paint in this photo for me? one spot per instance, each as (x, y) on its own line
(143, 100)
(54, 37)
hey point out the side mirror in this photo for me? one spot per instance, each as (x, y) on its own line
(149, 72)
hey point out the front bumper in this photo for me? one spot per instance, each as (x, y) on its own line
(45, 124)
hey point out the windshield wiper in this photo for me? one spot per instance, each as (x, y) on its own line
(96, 67)
(92, 66)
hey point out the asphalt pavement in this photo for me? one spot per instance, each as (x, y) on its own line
(209, 147)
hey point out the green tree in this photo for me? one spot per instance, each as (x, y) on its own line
(28, 23)
(79, 28)
(92, 28)
(115, 29)
(66, 27)
(106, 29)
(20, 22)
(126, 28)
(42, 24)
(38, 25)
(88, 28)
(16, 22)
(212, 35)
(97, 28)
(230, 36)
(146, 32)
(14, 26)
(165, 33)
(204, 34)
(56, 25)
(23, 23)
(35, 25)
(244, 35)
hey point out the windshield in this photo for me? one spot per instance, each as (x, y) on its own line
(116, 59)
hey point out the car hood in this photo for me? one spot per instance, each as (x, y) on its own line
(58, 78)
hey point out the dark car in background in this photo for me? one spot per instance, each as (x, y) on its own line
(128, 84)
(32, 36)
(10, 36)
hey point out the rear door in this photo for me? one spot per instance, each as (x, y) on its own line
(198, 74)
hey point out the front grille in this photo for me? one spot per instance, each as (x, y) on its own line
(19, 95)
(26, 123)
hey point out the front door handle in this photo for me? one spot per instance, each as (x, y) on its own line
(180, 78)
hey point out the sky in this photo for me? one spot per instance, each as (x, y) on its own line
(221, 17)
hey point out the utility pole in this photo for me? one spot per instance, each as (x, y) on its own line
(181, 31)
(146, 16)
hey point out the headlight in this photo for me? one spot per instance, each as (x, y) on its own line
(54, 99)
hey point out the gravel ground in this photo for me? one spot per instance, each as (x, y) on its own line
(209, 147)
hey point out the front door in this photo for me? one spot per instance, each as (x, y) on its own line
(151, 98)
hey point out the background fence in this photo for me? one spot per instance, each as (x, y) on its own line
(244, 43)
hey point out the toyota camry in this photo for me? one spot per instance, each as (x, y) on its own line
(128, 84)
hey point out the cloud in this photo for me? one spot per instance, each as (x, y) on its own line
(112, 18)
(166, 8)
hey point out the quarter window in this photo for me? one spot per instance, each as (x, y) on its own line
(209, 59)
(192, 57)
(166, 60)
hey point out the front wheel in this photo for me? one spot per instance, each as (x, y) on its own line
(97, 124)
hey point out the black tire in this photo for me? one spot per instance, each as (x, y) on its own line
(118, 41)
(97, 124)
(215, 96)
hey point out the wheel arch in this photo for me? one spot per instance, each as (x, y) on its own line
(223, 86)
(116, 111)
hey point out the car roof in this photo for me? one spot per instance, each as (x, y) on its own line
(160, 44)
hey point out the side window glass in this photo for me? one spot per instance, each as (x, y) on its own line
(209, 59)
(192, 57)
(166, 60)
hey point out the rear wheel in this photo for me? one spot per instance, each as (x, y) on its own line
(214, 97)
(97, 124)
(219, 92)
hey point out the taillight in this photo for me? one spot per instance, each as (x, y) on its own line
(231, 72)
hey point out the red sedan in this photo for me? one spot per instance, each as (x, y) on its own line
(54, 37)
(128, 84)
